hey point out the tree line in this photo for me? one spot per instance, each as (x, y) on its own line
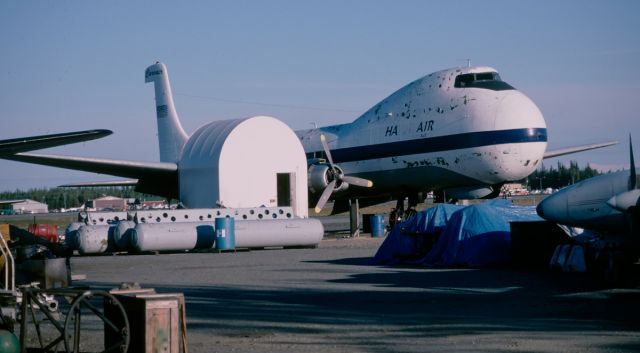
(559, 177)
(58, 198)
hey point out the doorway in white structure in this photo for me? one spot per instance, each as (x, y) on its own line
(286, 189)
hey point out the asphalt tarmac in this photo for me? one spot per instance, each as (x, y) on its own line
(330, 299)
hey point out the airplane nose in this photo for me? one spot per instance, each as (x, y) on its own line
(518, 114)
(554, 208)
(516, 110)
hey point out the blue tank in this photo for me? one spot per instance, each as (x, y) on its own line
(225, 234)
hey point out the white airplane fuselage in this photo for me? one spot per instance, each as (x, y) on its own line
(461, 130)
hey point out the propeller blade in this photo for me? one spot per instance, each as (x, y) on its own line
(632, 178)
(326, 194)
(351, 180)
(325, 146)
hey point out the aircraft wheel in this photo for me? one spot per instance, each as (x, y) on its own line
(94, 303)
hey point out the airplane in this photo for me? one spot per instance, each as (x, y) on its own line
(31, 143)
(461, 132)
(608, 204)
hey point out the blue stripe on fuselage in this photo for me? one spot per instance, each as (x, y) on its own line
(436, 144)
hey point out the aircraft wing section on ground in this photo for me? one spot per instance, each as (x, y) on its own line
(575, 149)
(24, 144)
(158, 178)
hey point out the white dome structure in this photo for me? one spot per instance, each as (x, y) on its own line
(250, 162)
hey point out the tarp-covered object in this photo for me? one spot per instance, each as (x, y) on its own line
(475, 236)
(408, 239)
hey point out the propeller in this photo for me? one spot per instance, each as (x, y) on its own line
(336, 176)
(624, 201)
(633, 177)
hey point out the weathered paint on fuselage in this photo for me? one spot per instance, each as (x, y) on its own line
(432, 135)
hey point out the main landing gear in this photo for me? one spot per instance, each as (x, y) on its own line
(400, 213)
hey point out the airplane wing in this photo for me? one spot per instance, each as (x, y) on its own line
(101, 183)
(24, 144)
(158, 178)
(570, 150)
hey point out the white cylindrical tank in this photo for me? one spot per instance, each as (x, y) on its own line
(275, 233)
(171, 237)
(71, 235)
(248, 234)
(95, 239)
(122, 234)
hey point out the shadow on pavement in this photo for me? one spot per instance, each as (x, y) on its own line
(416, 304)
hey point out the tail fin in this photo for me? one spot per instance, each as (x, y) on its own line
(171, 135)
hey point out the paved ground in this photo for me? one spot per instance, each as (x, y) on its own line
(329, 300)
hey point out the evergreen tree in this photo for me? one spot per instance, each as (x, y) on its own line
(558, 178)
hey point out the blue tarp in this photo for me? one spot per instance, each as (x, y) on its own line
(407, 240)
(475, 236)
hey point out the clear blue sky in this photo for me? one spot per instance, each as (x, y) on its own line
(71, 65)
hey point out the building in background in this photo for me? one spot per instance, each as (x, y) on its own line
(514, 189)
(22, 206)
(107, 203)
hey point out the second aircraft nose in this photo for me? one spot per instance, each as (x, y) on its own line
(554, 208)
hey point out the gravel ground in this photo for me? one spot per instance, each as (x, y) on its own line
(330, 300)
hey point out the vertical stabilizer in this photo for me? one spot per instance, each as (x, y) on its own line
(171, 135)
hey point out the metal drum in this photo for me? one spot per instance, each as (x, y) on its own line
(225, 234)
(377, 226)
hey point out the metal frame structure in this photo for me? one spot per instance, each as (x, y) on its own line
(70, 329)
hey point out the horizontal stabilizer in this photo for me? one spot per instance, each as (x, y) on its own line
(575, 149)
(24, 144)
(101, 184)
(158, 178)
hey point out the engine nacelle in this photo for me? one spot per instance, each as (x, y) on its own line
(472, 192)
(319, 177)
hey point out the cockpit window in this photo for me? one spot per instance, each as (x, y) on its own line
(488, 80)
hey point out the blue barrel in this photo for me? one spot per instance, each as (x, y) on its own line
(377, 225)
(225, 234)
